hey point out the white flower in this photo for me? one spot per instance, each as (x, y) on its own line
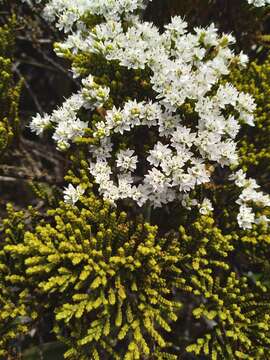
(125, 186)
(39, 123)
(157, 180)
(120, 121)
(208, 36)
(72, 194)
(159, 153)
(177, 26)
(102, 130)
(68, 12)
(167, 123)
(186, 182)
(262, 220)
(103, 150)
(101, 172)
(187, 202)
(246, 217)
(239, 178)
(249, 196)
(94, 95)
(199, 172)
(69, 130)
(232, 126)
(183, 135)
(246, 102)
(205, 207)
(126, 161)
(174, 164)
(243, 59)
(259, 3)
(227, 95)
(110, 192)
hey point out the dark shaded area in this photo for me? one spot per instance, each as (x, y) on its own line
(46, 82)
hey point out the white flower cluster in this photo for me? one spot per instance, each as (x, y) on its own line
(186, 69)
(66, 13)
(183, 70)
(248, 197)
(66, 123)
(259, 3)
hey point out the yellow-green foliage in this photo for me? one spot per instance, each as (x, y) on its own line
(232, 308)
(114, 286)
(254, 148)
(110, 280)
(9, 92)
(15, 291)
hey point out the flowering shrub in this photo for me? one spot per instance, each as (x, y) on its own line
(155, 245)
(189, 119)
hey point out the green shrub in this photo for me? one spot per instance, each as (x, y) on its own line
(109, 279)
(230, 309)
(9, 91)
(16, 308)
(111, 284)
(254, 143)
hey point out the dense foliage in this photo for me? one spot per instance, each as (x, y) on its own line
(134, 180)
(9, 91)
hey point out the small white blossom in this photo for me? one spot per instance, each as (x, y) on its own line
(187, 202)
(262, 220)
(239, 178)
(157, 180)
(158, 154)
(243, 59)
(39, 123)
(205, 207)
(246, 217)
(126, 161)
(72, 194)
(94, 95)
(259, 3)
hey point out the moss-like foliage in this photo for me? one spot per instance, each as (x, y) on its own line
(9, 91)
(15, 294)
(110, 279)
(118, 290)
(230, 310)
(254, 142)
